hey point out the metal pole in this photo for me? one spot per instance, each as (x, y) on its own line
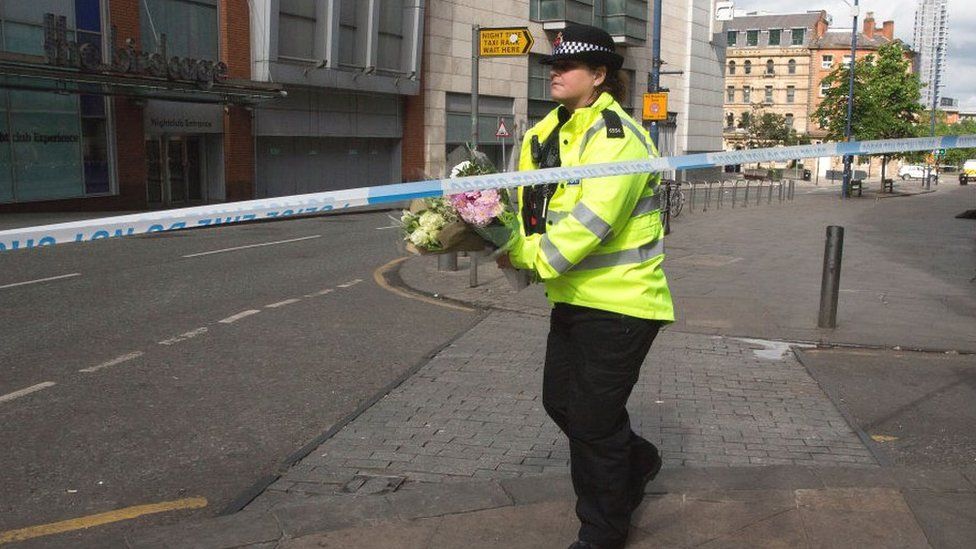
(708, 195)
(735, 188)
(935, 96)
(503, 156)
(745, 203)
(759, 192)
(830, 283)
(692, 208)
(769, 197)
(666, 208)
(848, 159)
(447, 262)
(721, 194)
(654, 82)
(475, 57)
(473, 274)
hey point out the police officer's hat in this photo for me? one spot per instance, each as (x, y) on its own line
(587, 44)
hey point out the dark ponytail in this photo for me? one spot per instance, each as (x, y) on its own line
(616, 84)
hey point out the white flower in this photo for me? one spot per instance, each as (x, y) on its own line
(431, 221)
(420, 237)
(459, 168)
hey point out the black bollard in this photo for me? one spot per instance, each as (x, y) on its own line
(830, 285)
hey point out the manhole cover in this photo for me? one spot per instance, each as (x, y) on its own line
(372, 484)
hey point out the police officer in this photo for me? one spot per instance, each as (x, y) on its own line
(597, 243)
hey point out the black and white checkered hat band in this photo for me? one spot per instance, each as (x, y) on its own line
(577, 47)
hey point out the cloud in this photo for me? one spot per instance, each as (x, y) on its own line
(961, 58)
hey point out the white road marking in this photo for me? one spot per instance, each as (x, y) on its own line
(350, 283)
(113, 362)
(385, 228)
(183, 337)
(72, 275)
(320, 292)
(254, 246)
(33, 388)
(282, 303)
(238, 316)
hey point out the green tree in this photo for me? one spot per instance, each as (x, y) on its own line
(886, 99)
(768, 129)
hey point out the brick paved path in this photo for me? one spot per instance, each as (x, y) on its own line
(475, 411)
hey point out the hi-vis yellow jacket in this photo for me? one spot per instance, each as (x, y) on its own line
(604, 240)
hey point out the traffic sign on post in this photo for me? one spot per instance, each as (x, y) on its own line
(502, 131)
(656, 106)
(504, 42)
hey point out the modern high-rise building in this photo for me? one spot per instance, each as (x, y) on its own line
(931, 41)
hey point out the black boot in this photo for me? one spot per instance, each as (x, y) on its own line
(650, 461)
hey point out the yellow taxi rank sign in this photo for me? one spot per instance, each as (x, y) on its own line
(504, 42)
(656, 106)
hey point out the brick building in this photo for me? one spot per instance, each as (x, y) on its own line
(833, 48)
(126, 104)
(768, 63)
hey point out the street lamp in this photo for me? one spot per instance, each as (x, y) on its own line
(849, 159)
(935, 98)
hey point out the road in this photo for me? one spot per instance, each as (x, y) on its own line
(189, 365)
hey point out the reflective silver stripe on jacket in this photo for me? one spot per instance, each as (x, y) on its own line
(590, 220)
(623, 257)
(645, 205)
(555, 258)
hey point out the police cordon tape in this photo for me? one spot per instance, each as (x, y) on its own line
(332, 201)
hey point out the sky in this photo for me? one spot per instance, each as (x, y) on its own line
(960, 73)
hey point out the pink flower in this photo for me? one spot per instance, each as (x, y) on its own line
(479, 208)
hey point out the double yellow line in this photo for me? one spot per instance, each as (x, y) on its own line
(109, 517)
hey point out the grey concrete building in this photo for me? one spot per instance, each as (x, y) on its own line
(348, 67)
(931, 41)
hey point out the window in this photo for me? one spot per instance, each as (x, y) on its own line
(769, 95)
(826, 61)
(752, 38)
(823, 89)
(729, 120)
(797, 37)
(774, 36)
(617, 17)
(730, 94)
(789, 120)
(792, 66)
(538, 78)
(847, 61)
(790, 94)
(75, 161)
(770, 67)
(732, 37)
(296, 23)
(190, 27)
(731, 67)
(746, 94)
(348, 33)
(390, 35)
(748, 66)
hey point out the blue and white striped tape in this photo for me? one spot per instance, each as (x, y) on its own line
(269, 208)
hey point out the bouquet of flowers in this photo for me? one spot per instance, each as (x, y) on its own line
(467, 221)
(433, 226)
(488, 212)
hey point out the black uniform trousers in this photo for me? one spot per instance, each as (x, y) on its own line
(593, 360)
